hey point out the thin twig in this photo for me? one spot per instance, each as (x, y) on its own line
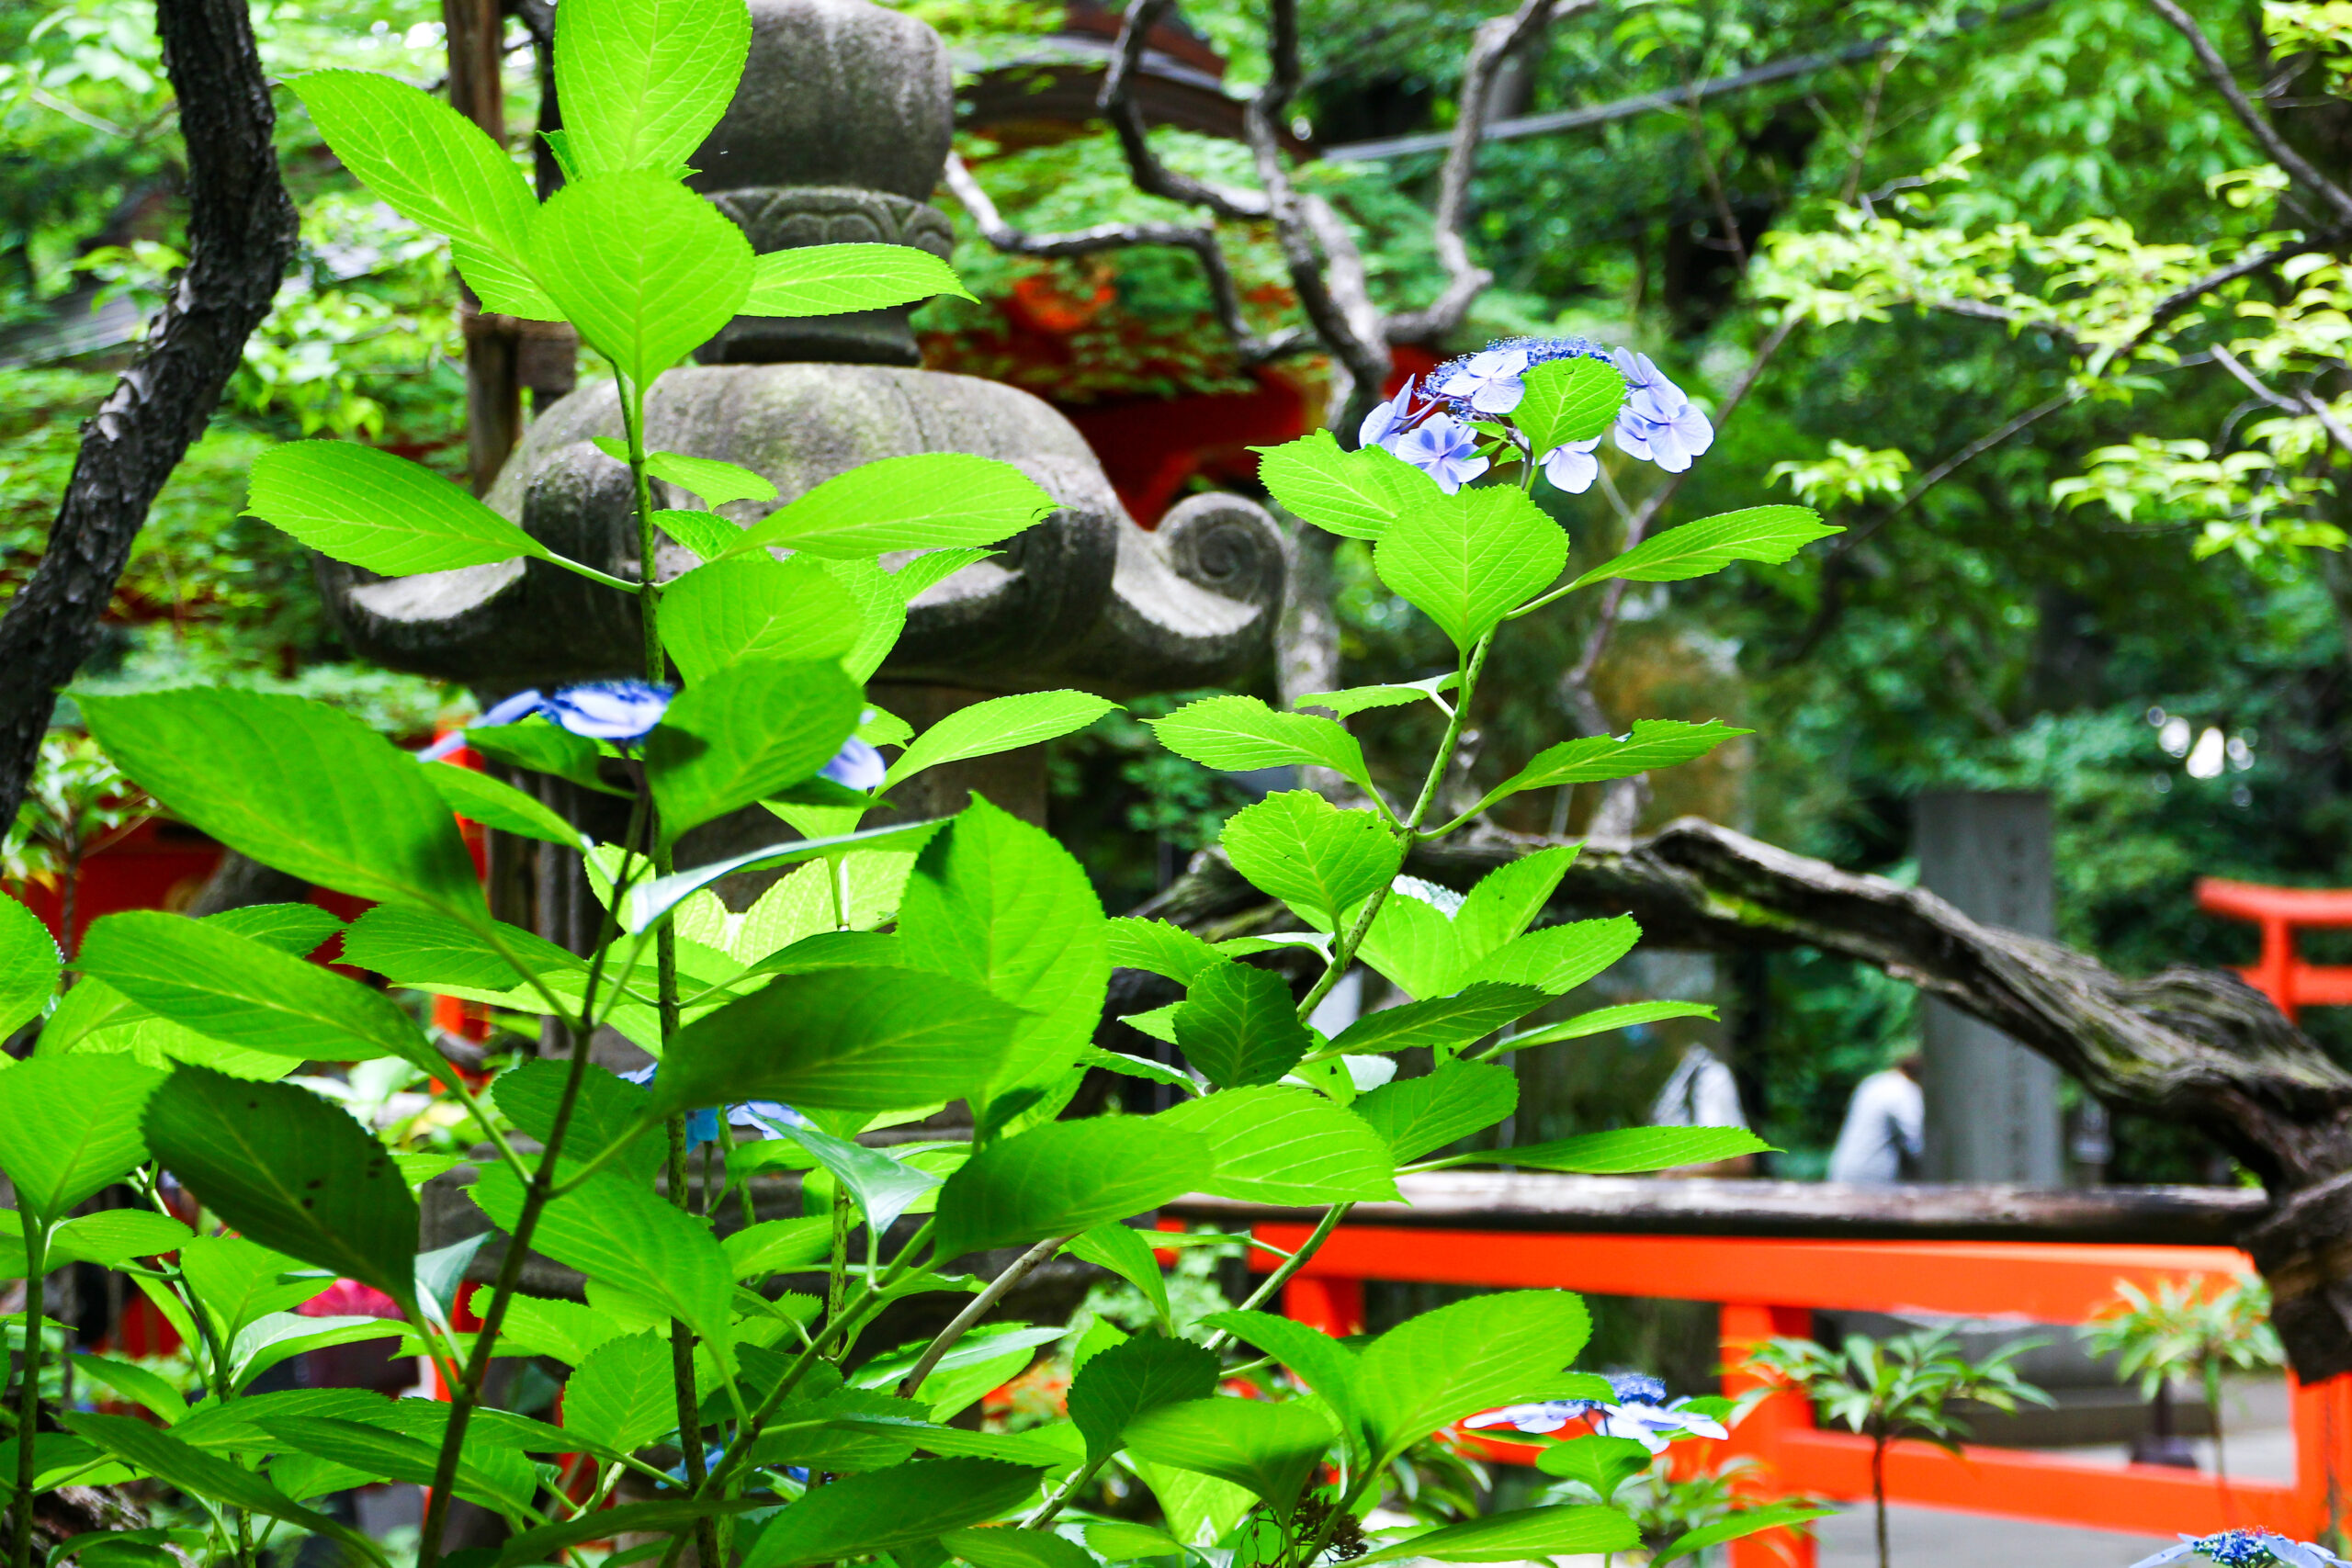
(1118, 105)
(961, 1324)
(1251, 347)
(2225, 81)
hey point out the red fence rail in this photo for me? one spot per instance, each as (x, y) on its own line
(1772, 1286)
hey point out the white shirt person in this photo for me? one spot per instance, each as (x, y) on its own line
(1885, 1130)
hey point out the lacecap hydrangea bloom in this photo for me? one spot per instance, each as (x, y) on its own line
(1639, 1411)
(1426, 423)
(2245, 1549)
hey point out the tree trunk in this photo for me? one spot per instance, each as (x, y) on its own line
(241, 240)
(2193, 1045)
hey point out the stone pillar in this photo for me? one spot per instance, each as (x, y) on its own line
(1991, 1104)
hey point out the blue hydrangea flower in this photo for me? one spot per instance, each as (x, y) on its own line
(1488, 379)
(623, 712)
(1658, 422)
(1573, 468)
(1537, 350)
(769, 1116)
(856, 766)
(513, 710)
(2246, 1548)
(1386, 418)
(1442, 448)
(1640, 1411)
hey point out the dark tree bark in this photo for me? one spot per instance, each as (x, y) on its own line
(2193, 1045)
(241, 240)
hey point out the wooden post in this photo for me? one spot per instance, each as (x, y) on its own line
(1743, 1326)
(494, 389)
(1991, 1104)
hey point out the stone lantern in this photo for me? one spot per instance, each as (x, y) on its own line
(839, 132)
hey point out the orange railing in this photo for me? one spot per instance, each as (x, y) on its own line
(2280, 972)
(1772, 1286)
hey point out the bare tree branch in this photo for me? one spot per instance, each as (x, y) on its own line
(1252, 346)
(2226, 82)
(242, 233)
(1117, 102)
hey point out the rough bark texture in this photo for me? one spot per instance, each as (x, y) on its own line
(2193, 1045)
(241, 240)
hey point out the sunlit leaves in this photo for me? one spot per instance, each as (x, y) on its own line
(1281, 1143)
(827, 280)
(1357, 494)
(1415, 1115)
(1467, 559)
(366, 507)
(1239, 734)
(646, 269)
(1268, 1448)
(69, 1125)
(1311, 854)
(28, 966)
(1766, 533)
(745, 732)
(1066, 1177)
(756, 607)
(1652, 743)
(1239, 1026)
(1624, 1151)
(642, 81)
(924, 500)
(1000, 724)
(887, 1508)
(1568, 400)
(1435, 1369)
(1134, 1376)
(1579, 1529)
(622, 1235)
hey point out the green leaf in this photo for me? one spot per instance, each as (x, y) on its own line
(1654, 743)
(916, 503)
(1413, 943)
(391, 1456)
(648, 901)
(238, 1282)
(1467, 559)
(1356, 699)
(832, 280)
(69, 1125)
(281, 1336)
(442, 1272)
(1063, 1178)
(1242, 734)
(1557, 959)
(622, 1234)
(1766, 533)
(606, 1110)
(1281, 1143)
(230, 987)
(995, 902)
(1134, 1376)
(642, 81)
(190, 1469)
(1431, 1371)
(855, 1038)
(883, 1187)
(290, 1171)
(1122, 1250)
(1268, 1448)
(1624, 1151)
(777, 1246)
(537, 746)
(568, 1331)
(646, 269)
(1014, 1547)
(1519, 1535)
(1158, 947)
(495, 804)
(1743, 1522)
(622, 1397)
(754, 607)
(28, 966)
(1239, 1026)
(433, 165)
(1311, 854)
(134, 1383)
(1200, 1509)
(1415, 1115)
(887, 1508)
(1139, 1067)
(1122, 1540)
(416, 947)
(1568, 400)
(743, 733)
(1602, 1020)
(1320, 1362)
(713, 481)
(366, 507)
(1001, 724)
(113, 1236)
(664, 1517)
(706, 533)
(1601, 1462)
(1356, 495)
(1507, 899)
(297, 786)
(1443, 1024)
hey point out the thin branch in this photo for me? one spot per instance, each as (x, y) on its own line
(2225, 81)
(1252, 348)
(989, 1297)
(2253, 383)
(1118, 105)
(2180, 299)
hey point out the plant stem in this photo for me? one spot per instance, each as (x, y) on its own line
(1017, 1271)
(1878, 1494)
(29, 1394)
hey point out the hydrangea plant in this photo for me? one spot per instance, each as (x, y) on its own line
(891, 971)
